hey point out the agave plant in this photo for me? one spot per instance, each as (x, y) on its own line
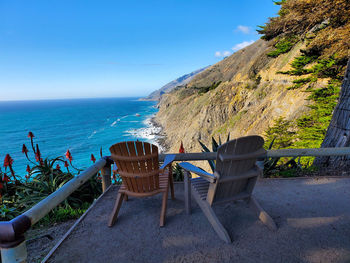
(215, 146)
(8, 212)
(47, 177)
(178, 173)
(273, 164)
(270, 163)
(43, 178)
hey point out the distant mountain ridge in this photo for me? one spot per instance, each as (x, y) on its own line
(181, 81)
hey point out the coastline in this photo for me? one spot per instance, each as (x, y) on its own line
(160, 136)
(152, 132)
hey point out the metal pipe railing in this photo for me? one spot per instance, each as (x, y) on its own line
(316, 152)
(12, 241)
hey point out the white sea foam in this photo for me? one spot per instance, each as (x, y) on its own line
(92, 134)
(121, 120)
(150, 133)
(124, 117)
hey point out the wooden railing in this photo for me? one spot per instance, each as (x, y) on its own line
(12, 241)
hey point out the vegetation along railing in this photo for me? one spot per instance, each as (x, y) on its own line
(12, 240)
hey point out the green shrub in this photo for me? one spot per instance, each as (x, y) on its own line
(62, 214)
(312, 126)
(280, 134)
(213, 86)
(301, 82)
(284, 45)
(299, 63)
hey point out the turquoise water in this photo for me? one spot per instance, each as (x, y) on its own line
(82, 126)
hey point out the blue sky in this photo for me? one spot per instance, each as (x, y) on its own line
(79, 49)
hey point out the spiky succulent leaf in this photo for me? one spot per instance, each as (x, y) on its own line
(205, 148)
(212, 165)
(214, 144)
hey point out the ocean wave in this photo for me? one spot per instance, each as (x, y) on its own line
(115, 122)
(119, 120)
(150, 133)
(123, 117)
(94, 132)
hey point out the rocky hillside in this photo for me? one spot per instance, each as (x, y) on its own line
(181, 81)
(249, 97)
(285, 85)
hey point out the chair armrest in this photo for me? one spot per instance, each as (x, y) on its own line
(194, 169)
(168, 159)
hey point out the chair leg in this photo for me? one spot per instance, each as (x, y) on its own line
(171, 182)
(115, 211)
(212, 218)
(187, 191)
(262, 215)
(126, 197)
(163, 212)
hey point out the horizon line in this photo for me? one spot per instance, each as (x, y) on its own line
(81, 98)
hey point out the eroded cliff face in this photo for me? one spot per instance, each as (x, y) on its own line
(250, 96)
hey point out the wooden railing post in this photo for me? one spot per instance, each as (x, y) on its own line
(106, 173)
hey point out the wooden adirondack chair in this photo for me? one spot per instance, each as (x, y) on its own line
(234, 178)
(138, 166)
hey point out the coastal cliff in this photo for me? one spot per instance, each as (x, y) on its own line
(284, 86)
(249, 97)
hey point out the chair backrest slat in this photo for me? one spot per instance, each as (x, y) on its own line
(245, 146)
(155, 160)
(145, 179)
(147, 148)
(135, 166)
(116, 149)
(155, 163)
(140, 175)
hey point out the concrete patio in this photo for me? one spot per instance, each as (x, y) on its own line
(313, 218)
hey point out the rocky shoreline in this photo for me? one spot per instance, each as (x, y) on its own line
(160, 135)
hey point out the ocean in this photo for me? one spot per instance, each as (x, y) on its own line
(81, 125)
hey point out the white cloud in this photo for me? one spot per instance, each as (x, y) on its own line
(217, 54)
(242, 45)
(224, 53)
(244, 29)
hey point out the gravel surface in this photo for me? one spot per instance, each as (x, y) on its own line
(313, 218)
(41, 240)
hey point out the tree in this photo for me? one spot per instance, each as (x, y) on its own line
(338, 132)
